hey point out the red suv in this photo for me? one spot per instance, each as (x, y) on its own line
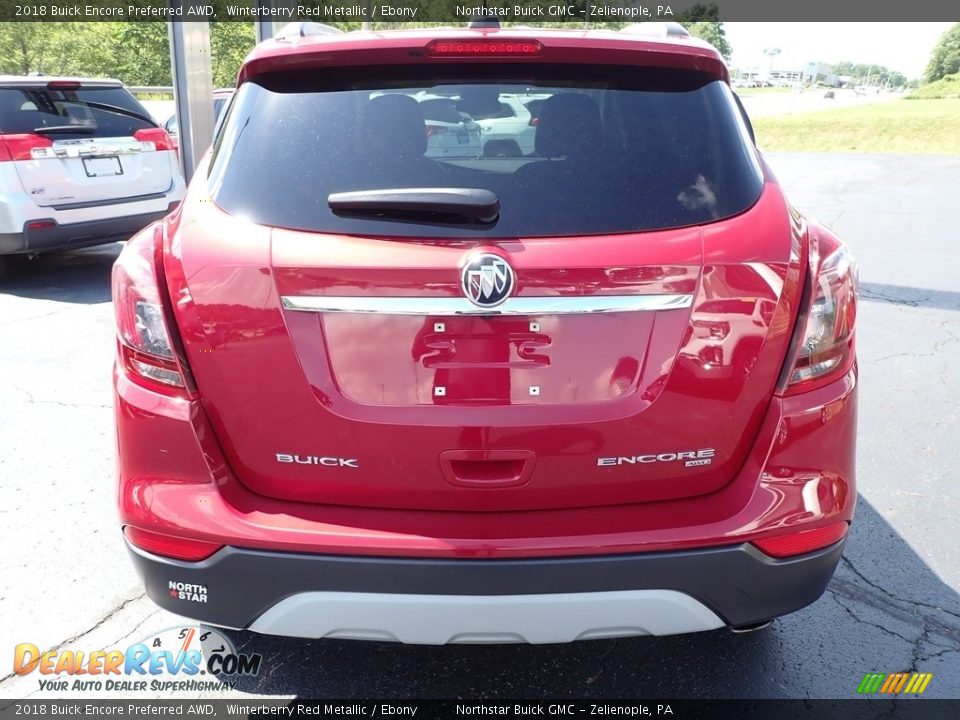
(605, 388)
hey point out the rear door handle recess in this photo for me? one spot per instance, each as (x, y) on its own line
(487, 468)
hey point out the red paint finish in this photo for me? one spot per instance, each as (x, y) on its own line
(325, 432)
(270, 382)
(321, 52)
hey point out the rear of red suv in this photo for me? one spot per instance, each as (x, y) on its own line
(606, 388)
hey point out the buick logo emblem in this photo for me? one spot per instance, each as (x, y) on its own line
(487, 280)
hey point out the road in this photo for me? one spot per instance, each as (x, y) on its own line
(893, 605)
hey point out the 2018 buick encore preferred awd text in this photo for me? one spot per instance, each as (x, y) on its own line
(605, 388)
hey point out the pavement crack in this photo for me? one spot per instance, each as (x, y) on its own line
(836, 598)
(934, 656)
(136, 627)
(907, 601)
(70, 640)
(893, 299)
(602, 662)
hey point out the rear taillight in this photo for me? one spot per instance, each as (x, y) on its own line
(170, 546)
(484, 48)
(802, 541)
(24, 147)
(146, 349)
(825, 346)
(432, 130)
(153, 139)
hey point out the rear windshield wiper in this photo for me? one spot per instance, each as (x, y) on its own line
(51, 129)
(119, 111)
(437, 204)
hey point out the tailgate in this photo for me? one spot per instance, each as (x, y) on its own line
(316, 401)
(83, 145)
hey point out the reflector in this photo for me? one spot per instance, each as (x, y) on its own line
(803, 541)
(170, 546)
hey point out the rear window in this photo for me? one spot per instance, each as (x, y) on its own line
(94, 112)
(605, 150)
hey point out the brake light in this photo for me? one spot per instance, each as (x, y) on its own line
(435, 130)
(825, 347)
(63, 85)
(804, 541)
(146, 350)
(153, 139)
(24, 147)
(483, 48)
(170, 546)
(534, 121)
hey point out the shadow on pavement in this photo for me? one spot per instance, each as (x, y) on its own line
(73, 276)
(915, 297)
(885, 611)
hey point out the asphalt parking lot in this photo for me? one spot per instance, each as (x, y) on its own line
(893, 605)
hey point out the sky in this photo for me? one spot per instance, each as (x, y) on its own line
(904, 46)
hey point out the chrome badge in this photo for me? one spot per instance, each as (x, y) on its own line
(487, 280)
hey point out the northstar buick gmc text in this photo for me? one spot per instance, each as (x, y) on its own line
(368, 387)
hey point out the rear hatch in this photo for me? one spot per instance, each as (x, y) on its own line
(83, 144)
(612, 334)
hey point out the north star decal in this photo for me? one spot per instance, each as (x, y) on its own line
(691, 458)
(317, 460)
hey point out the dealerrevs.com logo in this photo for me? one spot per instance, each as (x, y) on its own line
(187, 659)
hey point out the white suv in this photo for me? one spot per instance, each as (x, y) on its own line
(81, 163)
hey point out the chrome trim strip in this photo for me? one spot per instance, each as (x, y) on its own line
(544, 305)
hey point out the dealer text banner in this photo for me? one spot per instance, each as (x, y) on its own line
(454, 11)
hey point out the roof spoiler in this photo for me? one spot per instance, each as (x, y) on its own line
(305, 29)
(656, 29)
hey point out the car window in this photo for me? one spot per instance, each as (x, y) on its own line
(607, 150)
(219, 106)
(440, 109)
(25, 110)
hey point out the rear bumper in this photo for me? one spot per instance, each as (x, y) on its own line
(539, 600)
(76, 235)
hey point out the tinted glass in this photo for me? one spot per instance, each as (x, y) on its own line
(609, 150)
(25, 110)
(219, 105)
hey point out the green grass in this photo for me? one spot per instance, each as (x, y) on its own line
(945, 87)
(895, 126)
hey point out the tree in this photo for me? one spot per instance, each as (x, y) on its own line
(229, 44)
(33, 47)
(714, 34)
(703, 21)
(945, 59)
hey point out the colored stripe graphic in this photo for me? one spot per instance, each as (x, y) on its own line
(894, 683)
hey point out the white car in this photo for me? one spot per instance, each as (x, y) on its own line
(81, 163)
(511, 131)
(450, 133)
(221, 98)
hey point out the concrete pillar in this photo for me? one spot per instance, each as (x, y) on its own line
(267, 28)
(192, 86)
